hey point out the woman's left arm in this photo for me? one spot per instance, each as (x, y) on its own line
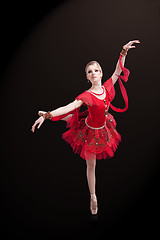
(118, 69)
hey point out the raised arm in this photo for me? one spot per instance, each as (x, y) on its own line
(57, 112)
(118, 69)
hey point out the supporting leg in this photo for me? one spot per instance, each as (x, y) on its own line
(91, 178)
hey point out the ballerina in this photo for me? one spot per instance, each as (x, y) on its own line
(92, 133)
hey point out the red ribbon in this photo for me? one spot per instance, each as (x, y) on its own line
(123, 90)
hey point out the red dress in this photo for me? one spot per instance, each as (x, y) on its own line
(94, 130)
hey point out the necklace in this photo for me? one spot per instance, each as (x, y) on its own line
(98, 94)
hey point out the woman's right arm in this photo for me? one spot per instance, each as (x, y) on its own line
(66, 109)
(59, 111)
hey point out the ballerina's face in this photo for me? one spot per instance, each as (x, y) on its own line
(93, 73)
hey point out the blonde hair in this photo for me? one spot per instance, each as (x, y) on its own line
(93, 63)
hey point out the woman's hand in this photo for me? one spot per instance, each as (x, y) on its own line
(39, 121)
(129, 44)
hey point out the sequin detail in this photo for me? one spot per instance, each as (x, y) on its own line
(102, 141)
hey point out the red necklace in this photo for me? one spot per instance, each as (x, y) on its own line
(98, 93)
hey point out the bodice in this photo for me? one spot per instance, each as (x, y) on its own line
(97, 111)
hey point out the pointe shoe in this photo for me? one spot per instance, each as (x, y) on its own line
(40, 113)
(93, 204)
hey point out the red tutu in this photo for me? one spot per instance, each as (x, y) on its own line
(102, 142)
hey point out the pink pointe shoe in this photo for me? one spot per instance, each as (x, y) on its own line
(93, 204)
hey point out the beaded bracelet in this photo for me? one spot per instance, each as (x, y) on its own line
(124, 52)
(47, 115)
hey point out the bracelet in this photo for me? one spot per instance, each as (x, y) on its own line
(47, 115)
(124, 52)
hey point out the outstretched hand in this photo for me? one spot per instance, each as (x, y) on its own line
(38, 122)
(129, 44)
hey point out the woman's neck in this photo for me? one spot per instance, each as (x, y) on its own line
(96, 87)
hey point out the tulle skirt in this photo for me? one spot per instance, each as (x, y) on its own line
(85, 141)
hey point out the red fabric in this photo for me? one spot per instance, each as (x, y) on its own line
(111, 91)
(96, 109)
(86, 141)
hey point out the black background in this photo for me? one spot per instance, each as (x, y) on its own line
(44, 49)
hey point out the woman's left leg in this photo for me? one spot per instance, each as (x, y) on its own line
(91, 178)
